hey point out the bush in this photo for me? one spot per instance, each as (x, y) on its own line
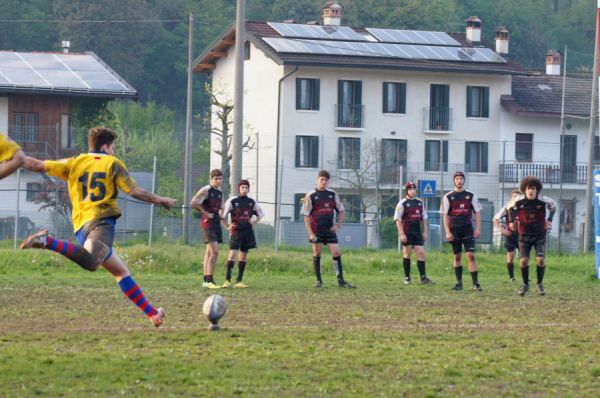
(388, 233)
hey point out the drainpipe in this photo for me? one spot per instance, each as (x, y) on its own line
(277, 180)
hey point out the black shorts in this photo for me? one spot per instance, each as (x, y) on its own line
(325, 238)
(414, 238)
(213, 234)
(511, 242)
(463, 236)
(242, 239)
(527, 242)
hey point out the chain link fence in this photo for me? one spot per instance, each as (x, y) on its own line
(369, 193)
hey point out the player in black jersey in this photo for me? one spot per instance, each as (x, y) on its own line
(209, 201)
(411, 221)
(457, 209)
(511, 241)
(533, 219)
(244, 212)
(318, 209)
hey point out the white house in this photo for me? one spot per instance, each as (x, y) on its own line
(377, 107)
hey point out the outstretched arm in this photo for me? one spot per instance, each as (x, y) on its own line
(145, 196)
(8, 167)
(33, 164)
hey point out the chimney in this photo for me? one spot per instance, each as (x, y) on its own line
(502, 37)
(553, 60)
(474, 29)
(65, 44)
(332, 13)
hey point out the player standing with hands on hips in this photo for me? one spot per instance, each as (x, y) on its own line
(457, 209)
(209, 201)
(533, 223)
(511, 238)
(411, 221)
(318, 210)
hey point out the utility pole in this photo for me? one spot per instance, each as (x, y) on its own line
(187, 167)
(238, 100)
(588, 237)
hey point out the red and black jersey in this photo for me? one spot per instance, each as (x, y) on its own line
(411, 213)
(531, 215)
(505, 215)
(460, 206)
(321, 206)
(241, 209)
(211, 200)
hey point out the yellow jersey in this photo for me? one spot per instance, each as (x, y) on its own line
(8, 148)
(94, 180)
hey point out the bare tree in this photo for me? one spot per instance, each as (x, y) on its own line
(53, 195)
(362, 177)
(222, 110)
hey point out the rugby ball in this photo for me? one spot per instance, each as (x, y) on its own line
(214, 308)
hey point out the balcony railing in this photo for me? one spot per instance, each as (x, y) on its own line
(350, 116)
(547, 172)
(438, 118)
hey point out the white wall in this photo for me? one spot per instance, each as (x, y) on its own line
(261, 77)
(4, 115)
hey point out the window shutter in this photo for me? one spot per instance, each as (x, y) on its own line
(469, 101)
(386, 87)
(314, 152)
(316, 94)
(485, 102)
(484, 157)
(298, 151)
(402, 97)
(445, 154)
(298, 93)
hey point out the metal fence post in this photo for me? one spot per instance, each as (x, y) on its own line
(16, 232)
(151, 226)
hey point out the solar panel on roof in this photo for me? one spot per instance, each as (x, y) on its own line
(389, 50)
(49, 71)
(316, 31)
(413, 37)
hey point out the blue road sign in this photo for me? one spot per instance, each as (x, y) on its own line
(427, 188)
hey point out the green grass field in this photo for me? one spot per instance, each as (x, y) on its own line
(65, 332)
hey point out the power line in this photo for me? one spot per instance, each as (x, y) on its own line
(99, 21)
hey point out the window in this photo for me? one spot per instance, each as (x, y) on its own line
(307, 94)
(523, 147)
(439, 110)
(350, 104)
(298, 197)
(246, 50)
(66, 132)
(394, 97)
(307, 151)
(436, 155)
(478, 100)
(25, 126)
(33, 191)
(476, 157)
(349, 153)
(352, 207)
(597, 149)
(393, 155)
